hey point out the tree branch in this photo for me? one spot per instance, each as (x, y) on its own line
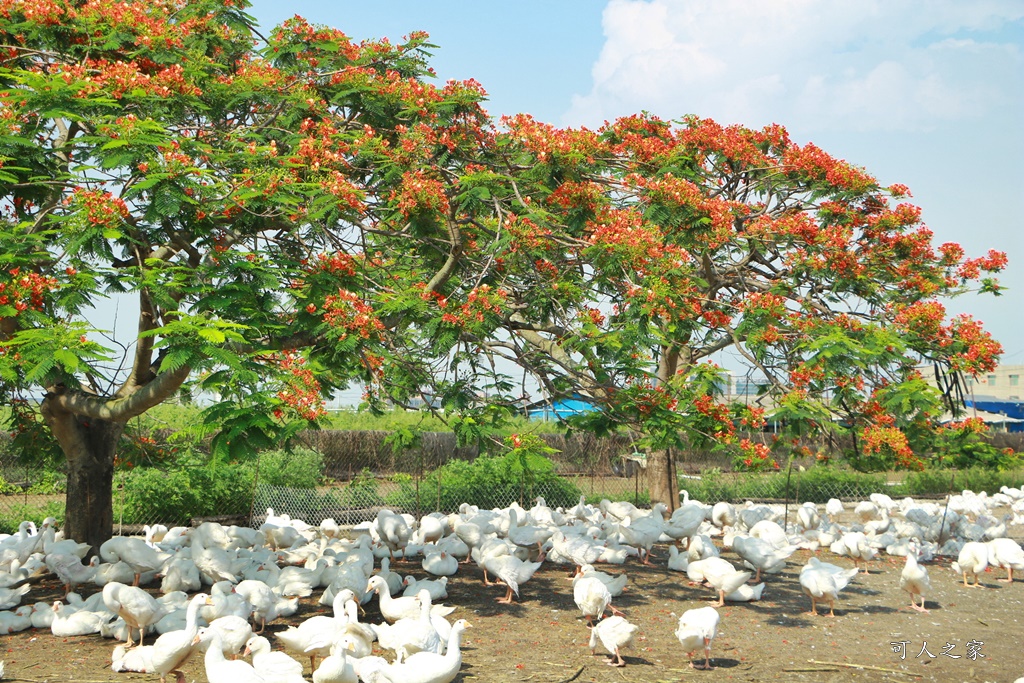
(145, 397)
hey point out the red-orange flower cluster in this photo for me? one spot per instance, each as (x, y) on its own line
(101, 208)
(756, 456)
(302, 390)
(346, 311)
(889, 441)
(481, 302)
(421, 194)
(25, 290)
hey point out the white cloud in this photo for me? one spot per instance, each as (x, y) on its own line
(814, 65)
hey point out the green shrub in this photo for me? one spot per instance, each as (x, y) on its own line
(175, 496)
(49, 482)
(640, 499)
(361, 492)
(488, 482)
(937, 481)
(13, 515)
(816, 484)
(7, 488)
(299, 468)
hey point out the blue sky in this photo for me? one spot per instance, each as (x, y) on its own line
(932, 98)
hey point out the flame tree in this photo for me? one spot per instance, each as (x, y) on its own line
(279, 207)
(637, 252)
(294, 211)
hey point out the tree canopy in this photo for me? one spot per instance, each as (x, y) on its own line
(299, 210)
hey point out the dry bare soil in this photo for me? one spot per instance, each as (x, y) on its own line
(543, 638)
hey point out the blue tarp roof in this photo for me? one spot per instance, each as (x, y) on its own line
(559, 409)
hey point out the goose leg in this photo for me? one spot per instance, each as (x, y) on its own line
(913, 603)
(617, 660)
(1009, 576)
(721, 600)
(507, 600)
(814, 607)
(707, 657)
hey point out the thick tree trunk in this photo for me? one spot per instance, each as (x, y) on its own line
(90, 445)
(662, 481)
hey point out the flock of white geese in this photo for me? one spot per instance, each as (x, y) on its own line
(241, 579)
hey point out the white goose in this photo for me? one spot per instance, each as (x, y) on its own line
(339, 667)
(70, 570)
(914, 579)
(263, 600)
(171, 650)
(677, 561)
(592, 597)
(807, 516)
(685, 522)
(438, 588)
(408, 636)
(822, 581)
(428, 667)
(69, 622)
(615, 634)
(1005, 553)
(697, 628)
(213, 563)
(854, 544)
(833, 508)
(513, 572)
(644, 532)
(525, 535)
(761, 555)
(233, 632)
(393, 609)
(439, 564)
(137, 607)
(275, 667)
(723, 514)
(615, 583)
(135, 660)
(142, 558)
(726, 583)
(973, 560)
(580, 550)
(219, 669)
(315, 635)
(394, 531)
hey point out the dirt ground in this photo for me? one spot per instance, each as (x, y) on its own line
(543, 638)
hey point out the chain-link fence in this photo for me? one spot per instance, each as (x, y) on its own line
(357, 474)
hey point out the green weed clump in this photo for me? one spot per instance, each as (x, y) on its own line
(940, 481)
(815, 485)
(487, 482)
(14, 514)
(146, 495)
(300, 468)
